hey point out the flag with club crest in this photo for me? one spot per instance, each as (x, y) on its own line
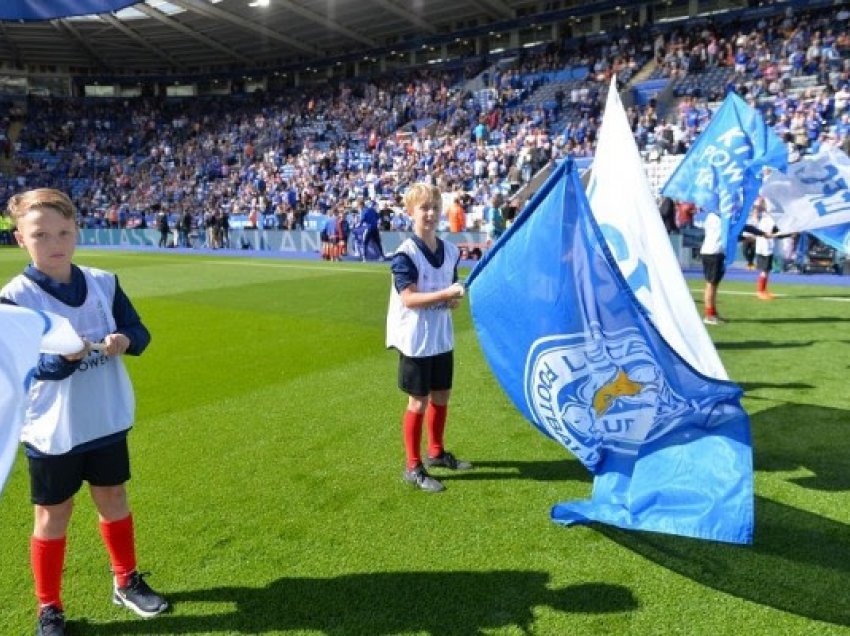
(580, 357)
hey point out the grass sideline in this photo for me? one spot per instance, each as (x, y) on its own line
(267, 460)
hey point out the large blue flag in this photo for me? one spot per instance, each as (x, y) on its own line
(722, 171)
(580, 358)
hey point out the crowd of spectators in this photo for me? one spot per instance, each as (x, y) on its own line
(277, 159)
(794, 68)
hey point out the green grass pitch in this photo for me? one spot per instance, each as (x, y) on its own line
(267, 484)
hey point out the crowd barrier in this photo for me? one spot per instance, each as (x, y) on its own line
(287, 241)
(307, 241)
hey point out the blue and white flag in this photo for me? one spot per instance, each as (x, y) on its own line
(581, 359)
(625, 210)
(23, 333)
(722, 171)
(814, 196)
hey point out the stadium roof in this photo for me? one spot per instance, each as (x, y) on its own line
(208, 36)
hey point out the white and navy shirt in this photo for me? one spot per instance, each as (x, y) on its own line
(765, 246)
(84, 404)
(712, 242)
(428, 331)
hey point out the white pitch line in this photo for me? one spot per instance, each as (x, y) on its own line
(744, 293)
(837, 299)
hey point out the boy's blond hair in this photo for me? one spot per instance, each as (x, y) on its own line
(21, 204)
(420, 193)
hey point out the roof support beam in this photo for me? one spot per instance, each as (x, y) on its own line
(64, 27)
(501, 10)
(326, 22)
(115, 22)
(13, 49)
(200, 37)
(414, 19)
(212, 11)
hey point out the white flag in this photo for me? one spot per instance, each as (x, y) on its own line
(23, 333)
(814, 194)
(625, 209)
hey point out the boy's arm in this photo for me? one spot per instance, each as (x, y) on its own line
(54, 367)
(128, 322)
(752, 229)
(405, 277)
(414, 299)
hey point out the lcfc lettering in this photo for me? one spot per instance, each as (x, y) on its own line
(544, 391)
(92, 362)
(545, 411)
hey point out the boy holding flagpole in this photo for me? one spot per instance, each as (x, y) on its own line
(425, 290)
(81, 406)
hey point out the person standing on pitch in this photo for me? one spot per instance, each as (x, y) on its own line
(765, 245)
(81, 406)
(713, 264)
(713, 267)
(419, 325)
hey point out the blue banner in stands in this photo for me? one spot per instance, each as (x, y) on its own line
(51, 9)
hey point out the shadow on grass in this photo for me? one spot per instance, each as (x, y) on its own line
(556, 470)
(754, 386)
(791, 437)
(762, 345)
(452, 603)
(800, 561)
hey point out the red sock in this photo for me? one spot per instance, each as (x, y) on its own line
(47, 558)
(121, 545)
(762, 282)
(710, 311)
(436, 418)
(411, 428)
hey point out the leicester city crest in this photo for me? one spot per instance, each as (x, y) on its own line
(597, 390)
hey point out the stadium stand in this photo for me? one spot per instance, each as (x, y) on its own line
(486, 125)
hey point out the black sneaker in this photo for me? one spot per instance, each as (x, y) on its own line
(447, 460)
(138, 596)
(51, 622)
(417, 476)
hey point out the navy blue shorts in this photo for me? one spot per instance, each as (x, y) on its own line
(713, 267)
(56, 478)
(420, 376)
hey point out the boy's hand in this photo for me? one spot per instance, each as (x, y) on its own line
(116, 344)
(456, 291)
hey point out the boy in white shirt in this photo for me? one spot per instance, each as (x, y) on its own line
(419, 325)
(81, 406)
